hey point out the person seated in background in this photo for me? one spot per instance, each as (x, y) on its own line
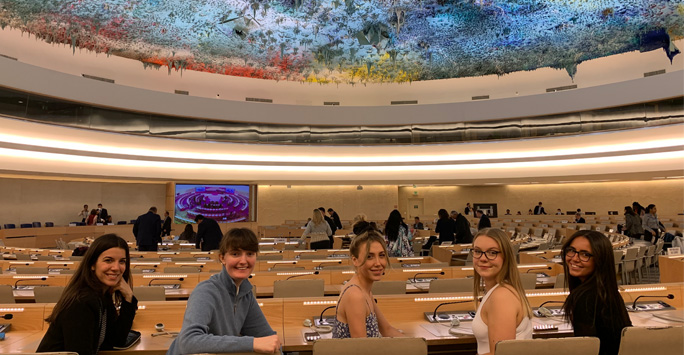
(484, 220)
(319, 230)
(559, 212)
(579, 218)
(594, 306)
(398, 236)
(504, 312)
(518, 214)
(357, 315)
(188, 234)
(633, 228)
(92, 217)
(97, 307)
(508, 212)
(222, 314)
(417, 224)
(530, 212)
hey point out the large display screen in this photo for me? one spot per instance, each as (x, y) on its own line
(224, 203)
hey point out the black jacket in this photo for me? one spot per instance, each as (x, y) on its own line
(147, 229)
(484, 222)
(463, 234)
(208, 235)
(166, 228)
(77, 328)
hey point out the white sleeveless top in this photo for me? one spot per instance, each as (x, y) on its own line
(481, 332)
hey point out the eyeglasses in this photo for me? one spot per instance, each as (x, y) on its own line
(570, 252)
(489, 254)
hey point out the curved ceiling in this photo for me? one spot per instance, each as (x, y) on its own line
(352, 41)
(625, 155)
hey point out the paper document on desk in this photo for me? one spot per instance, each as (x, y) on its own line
(442, 329)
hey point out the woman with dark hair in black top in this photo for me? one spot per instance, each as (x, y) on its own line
(97, 307)
(594, 305)
(446, 227)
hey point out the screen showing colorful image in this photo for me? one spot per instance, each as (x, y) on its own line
(224, 203)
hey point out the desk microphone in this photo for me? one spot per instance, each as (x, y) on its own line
(165, 279)
(320, 266)
(434, 314)
(669, 297)
(539, 269)
(20, 280)
(300, 275)
(320, 319)
(427, 273)
(283, 263)
(7, 316)
(545, 311)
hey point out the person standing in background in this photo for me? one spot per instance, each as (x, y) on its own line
(445, 227)
(331, 223)
(539, 209)
(84, 213)
(102, 214)
(468, 209)
(208, 233)
(335, 217)
(166, 228)
(147, 230)
(462, 229)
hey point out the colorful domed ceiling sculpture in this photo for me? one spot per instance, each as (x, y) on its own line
(354, 41)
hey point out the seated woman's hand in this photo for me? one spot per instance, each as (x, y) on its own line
(266, 345)
(125, 290)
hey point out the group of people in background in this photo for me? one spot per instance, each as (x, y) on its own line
(94, 216)
(643, 223)
(149, 229)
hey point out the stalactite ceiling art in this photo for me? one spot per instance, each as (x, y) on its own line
(354, 41)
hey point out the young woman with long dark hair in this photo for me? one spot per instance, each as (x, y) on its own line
(85, 319)
(594, 306)
(398, 236)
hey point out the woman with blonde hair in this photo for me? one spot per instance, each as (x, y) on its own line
(504, 312)
(319, 230)
(357, 315)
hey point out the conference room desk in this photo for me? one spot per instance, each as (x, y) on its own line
(34, 279)
(447, 253)
(46, 236)
(286, 316)
(671, 268)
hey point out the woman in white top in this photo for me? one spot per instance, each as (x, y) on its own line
(504, 312)
(319, 230)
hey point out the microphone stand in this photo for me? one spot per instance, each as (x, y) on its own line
(434, 314)
(668, 296)
(426, 273)
(20, 280)
(300, 275)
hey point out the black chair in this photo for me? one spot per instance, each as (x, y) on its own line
(121, 222)
(36, 224)
(132, 221)
(80, 223)
(26, 225)
(49, 224)
(10, 226)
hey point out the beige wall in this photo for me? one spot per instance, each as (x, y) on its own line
(601, 197)
(29, 200)
(278, 203)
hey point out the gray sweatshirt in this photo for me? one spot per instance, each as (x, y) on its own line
(218, 321)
